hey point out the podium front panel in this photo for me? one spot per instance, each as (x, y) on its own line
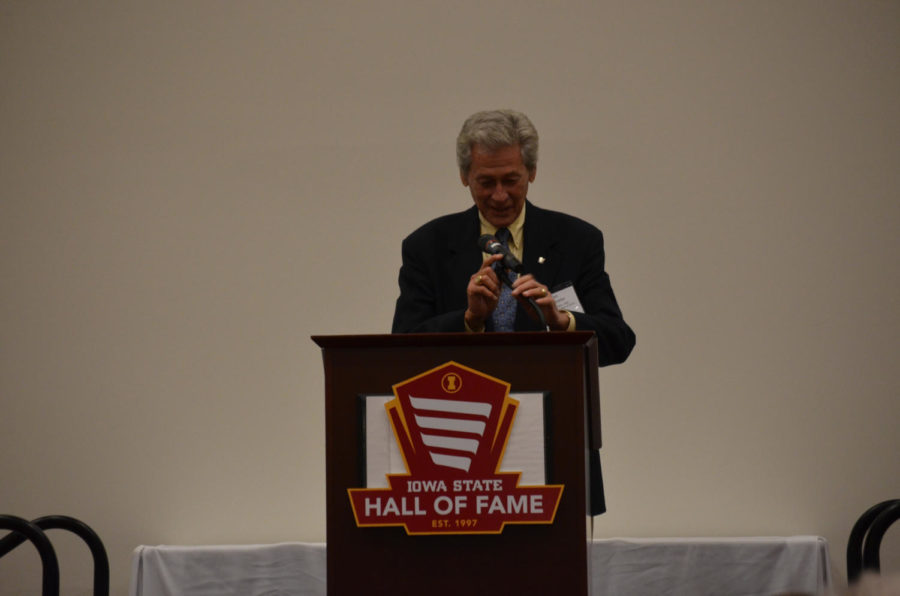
(522, 559)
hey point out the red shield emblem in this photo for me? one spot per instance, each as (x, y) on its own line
(452, 424)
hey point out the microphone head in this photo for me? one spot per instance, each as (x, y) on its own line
(487, 242)
(490, 245)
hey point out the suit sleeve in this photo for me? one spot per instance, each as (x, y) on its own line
(418, 308)
(601, 310)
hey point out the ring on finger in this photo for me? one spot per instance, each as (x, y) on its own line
(478, 280)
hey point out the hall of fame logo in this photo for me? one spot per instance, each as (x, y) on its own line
(452, 424)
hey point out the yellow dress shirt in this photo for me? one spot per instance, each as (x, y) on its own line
(516, 248)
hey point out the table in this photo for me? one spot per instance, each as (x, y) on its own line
(620, 566)
(713, 566)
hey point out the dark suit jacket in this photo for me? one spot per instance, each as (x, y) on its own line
(441, 256)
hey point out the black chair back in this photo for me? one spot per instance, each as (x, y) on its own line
(23, 530)
(864, 545)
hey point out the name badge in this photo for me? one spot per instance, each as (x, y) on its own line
(567, 299)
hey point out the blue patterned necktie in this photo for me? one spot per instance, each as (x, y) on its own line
(504, 315)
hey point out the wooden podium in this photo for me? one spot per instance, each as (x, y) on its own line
(521, 559)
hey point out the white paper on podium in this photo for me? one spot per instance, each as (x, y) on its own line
(524, 451)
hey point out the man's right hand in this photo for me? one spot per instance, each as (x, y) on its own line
(483, 292)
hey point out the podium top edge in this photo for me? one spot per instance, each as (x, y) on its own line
(424, 340)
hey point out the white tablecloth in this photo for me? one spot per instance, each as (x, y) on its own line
(620, 567)
(713, 566)
(256, 570)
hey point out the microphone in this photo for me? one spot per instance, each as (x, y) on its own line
(492, 246)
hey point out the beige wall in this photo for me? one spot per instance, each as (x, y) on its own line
(189, 190)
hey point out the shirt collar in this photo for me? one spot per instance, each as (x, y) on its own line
(515, 228)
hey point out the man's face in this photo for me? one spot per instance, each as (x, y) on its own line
(498, 181)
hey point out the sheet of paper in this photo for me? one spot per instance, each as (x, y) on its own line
(524, 450)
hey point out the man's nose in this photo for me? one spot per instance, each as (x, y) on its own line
(499, 193)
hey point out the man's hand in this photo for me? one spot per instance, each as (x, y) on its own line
(528, 287)
(483, 292)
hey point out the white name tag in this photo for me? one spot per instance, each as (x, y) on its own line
(567, 299)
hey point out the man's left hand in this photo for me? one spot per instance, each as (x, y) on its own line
(528, 287)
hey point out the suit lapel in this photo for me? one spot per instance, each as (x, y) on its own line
(463, 254)
(540, 257)
(540, 254)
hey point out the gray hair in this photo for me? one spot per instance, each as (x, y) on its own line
(493, 130)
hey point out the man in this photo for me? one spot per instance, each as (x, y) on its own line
(447, 284)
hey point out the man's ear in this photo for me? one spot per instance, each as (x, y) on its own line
(464, 178)
(532, 174)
